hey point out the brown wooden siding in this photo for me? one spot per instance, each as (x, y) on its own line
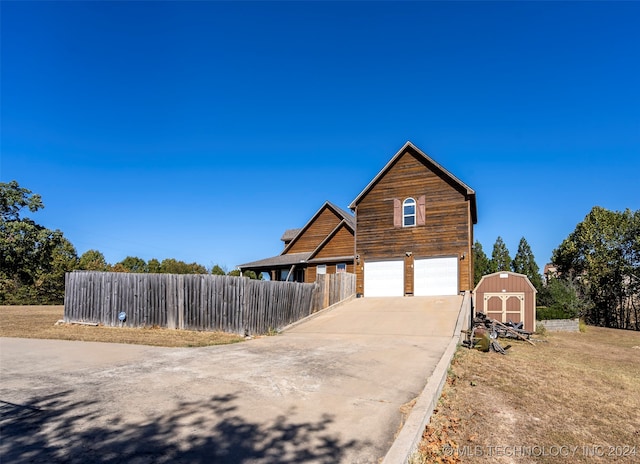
(408, 275)
(513, 284)
(447, 218)
(311, 273)
(316, 232)
(341, 244)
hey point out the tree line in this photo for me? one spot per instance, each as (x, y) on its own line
(524, 261)
(597, 270)
(597, 266)
(601, 260)
(34, 259)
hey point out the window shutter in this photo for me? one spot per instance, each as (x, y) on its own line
(397, 213)
(421, 211)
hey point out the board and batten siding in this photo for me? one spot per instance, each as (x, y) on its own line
(448, 222)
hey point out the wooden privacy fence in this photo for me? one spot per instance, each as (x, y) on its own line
(197, 302)
(333, 288)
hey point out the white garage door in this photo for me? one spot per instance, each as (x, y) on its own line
(384, 278)
(435, 276)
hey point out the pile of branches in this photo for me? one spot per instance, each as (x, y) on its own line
(485, 331)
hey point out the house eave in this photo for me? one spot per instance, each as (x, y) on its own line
(276, 261)
(471, 194)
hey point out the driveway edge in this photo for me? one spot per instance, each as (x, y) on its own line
(317, 313)
(410, 435)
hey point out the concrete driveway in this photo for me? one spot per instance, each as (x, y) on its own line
(328, 390)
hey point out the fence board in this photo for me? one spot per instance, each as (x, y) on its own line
(198, 302)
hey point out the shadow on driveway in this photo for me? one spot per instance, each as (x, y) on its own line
(52, 429)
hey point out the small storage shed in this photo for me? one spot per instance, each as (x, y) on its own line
(507, 296)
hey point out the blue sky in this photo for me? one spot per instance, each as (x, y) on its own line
(202, 130)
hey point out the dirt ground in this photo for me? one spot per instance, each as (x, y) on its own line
(574, 397)
(40, 322)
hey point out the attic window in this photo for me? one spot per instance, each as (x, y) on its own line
(409, 213)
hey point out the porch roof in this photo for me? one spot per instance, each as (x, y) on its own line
(277, 261)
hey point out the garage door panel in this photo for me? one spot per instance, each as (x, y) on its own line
(436, 276)
(384, 278)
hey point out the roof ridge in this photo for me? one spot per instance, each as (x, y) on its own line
(471, 194)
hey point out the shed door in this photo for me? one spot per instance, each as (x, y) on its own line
(504, 307)
(436, 276)
(384, 278)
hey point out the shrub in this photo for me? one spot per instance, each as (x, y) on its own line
(582, 326)
(546, 313)
(558, 300)
(541, 330)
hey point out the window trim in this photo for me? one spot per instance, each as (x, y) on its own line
(323, 267)
(409, 202)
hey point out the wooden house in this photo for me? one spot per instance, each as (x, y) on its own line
(412, 234)
(323, 246)
(507, 296)
(414, 229)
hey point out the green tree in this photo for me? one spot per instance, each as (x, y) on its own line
(153, 266)
(49, 282)
(133, 264)
(481, 263)
(524, 263)
(500, 259)
(217, 270)
(600, 257)
(33, 259)
(13, 199)
(248, 274)
(561, 298)
(252, 275)
(93, 260)
(173, 266)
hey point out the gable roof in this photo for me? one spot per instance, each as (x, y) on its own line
(511, 274)
(343, 223)
(349, 218)
(304, 257)
(289, 234)
(470, 193)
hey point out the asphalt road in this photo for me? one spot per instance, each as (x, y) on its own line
(326, 391)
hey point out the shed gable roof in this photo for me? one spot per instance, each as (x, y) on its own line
(435, 167)
(511, 274)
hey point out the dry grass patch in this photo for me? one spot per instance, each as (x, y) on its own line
(38, 322)
(572, 398)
